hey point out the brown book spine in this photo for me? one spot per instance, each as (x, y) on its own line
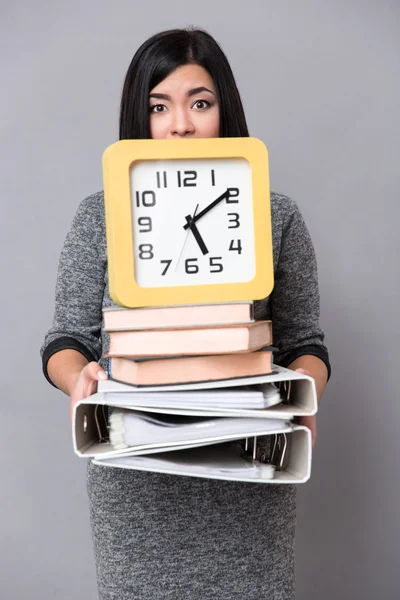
(190, 369)
(202, 341)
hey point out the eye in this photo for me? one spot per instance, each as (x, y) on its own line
(158, 108)
(201, 104)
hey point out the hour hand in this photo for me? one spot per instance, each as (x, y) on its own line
(193, 227)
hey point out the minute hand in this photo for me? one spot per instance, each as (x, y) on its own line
(209, 207)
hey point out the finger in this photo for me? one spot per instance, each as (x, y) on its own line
(94, 371)
(313, 435)
(85, 389)
(101, 374)
(71, 409)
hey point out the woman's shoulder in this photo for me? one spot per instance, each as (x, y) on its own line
(282, 207)
(90, 216)
(288, 225)
(92, 206)
(88, 226)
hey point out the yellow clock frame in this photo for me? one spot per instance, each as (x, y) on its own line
(117, 162)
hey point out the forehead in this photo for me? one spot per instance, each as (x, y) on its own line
(183, 79)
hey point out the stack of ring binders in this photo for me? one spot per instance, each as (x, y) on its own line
(262, 445)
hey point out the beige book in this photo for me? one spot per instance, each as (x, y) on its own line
(188, 369)
(118, 318)
(194, 341)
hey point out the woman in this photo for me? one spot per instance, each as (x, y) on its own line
(161, 536)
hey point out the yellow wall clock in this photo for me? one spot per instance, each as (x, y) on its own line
(188, 221)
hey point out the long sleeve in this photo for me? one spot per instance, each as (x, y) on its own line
(80, 286)
(295, 303)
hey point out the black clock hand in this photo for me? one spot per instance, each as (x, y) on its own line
(196, 233)
(205, 210)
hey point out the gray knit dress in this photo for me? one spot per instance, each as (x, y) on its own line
(165, 537)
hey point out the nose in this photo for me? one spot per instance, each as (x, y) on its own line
(181, 124)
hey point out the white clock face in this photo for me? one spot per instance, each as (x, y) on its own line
(192, 222)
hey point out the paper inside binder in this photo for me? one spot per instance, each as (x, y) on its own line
(269, 449)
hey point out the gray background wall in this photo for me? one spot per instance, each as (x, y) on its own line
(320, 84)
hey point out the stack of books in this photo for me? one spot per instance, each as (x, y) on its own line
(173, 345)
(191, 389)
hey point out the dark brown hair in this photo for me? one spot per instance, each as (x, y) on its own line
(157, 58)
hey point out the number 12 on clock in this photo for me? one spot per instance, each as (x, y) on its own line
(185, 179)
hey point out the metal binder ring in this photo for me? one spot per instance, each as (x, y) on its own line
(85, 423)
(280, 445)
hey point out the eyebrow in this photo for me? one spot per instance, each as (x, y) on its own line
(197, 90)
(189, 94)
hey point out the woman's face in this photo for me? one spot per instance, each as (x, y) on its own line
(184, 105)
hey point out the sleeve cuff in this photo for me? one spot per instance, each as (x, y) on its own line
(64, 343)
(314, 350)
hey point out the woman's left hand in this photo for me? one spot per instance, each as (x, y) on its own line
(308, 421)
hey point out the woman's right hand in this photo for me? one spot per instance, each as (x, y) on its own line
(86, 383)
